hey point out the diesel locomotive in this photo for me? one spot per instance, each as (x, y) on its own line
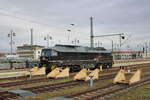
(76, 57)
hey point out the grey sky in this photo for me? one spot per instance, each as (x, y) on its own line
(55, 16)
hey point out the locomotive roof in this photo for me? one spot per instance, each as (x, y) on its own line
(73, 48)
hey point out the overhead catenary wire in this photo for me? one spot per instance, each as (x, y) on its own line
(3, 13)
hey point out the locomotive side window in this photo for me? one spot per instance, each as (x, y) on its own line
(106, 55)
(53, 53)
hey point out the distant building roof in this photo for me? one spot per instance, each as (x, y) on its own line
(24, 46)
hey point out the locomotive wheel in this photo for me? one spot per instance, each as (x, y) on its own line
(48, 69)
(75, 68)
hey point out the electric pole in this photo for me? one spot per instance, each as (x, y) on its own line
(92, 36)
(112, 46)
(31, 36)
(146, 48)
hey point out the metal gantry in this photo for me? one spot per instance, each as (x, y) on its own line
(121, 36)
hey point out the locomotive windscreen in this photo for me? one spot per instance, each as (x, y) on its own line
(46, 52)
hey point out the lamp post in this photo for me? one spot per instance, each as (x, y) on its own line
(48, 38)
(11, 35)
(69, 31)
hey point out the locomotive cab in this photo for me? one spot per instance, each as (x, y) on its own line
(46, 56)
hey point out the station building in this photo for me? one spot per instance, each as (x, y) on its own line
(29, 51)
(125, 55)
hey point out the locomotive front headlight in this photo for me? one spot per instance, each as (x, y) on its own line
(43, 58)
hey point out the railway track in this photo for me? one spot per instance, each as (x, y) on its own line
(48, 88)
(92, 94)
(60, 86)
(110, 73)
(54, 87)
(11, 84)
(31, 81)
(105, 71)
(26, 82)
(5, 95)
(106, 92)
